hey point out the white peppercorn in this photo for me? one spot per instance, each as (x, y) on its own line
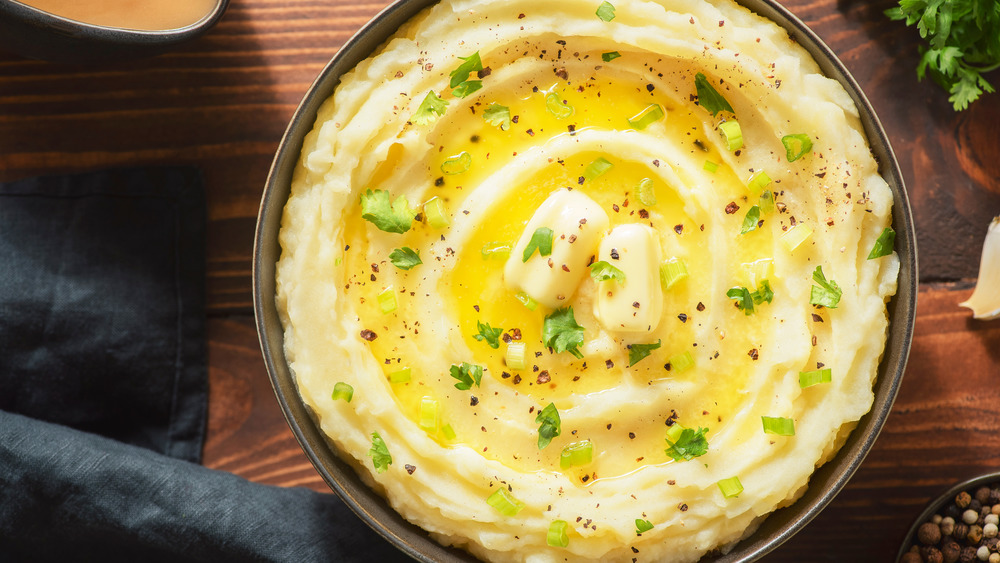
(992, 519)
(970, 517)
(947, 525)
(983, 553)
(990, 530)
(994, 558)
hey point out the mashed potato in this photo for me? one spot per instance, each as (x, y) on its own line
(572, 280)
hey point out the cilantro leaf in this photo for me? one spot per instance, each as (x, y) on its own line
(467, 374)
(603, 271)
(689, 445)
(744, 301)
(498, 116)
(466, 88)
(429, 110)
(606, 11)
(637, 352)
(561, 333)
(763, 293)
(405, 258)
(883, 246)
(827, 293)
(642, 526)
(751, 220)
(379, 453)
(389, 216)
(710, 98)
(489, 334)
(550, 427)
(541, 240)
(470, 64)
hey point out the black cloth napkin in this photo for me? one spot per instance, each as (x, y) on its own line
(103, 388)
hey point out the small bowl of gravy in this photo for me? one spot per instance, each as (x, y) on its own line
(75, 31)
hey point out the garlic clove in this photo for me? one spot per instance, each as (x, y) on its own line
(985, 299)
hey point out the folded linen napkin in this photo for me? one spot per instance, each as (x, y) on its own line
(103, 388)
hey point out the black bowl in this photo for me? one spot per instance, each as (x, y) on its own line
(825, 483)
(38, 34)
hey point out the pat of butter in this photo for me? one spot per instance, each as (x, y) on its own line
(577, 222)
(636, 305)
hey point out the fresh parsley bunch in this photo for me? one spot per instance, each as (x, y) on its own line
(964, 38)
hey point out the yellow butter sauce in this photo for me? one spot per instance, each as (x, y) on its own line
(147, 15)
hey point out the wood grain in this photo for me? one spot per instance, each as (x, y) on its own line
(222, 103)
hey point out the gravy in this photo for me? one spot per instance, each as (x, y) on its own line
(149, 15)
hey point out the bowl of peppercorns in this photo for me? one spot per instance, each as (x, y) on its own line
(962, 525)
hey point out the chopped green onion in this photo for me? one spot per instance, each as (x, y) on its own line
(710, 166)
(499, 250)
(642, 526)
(504, 502)
(551, 425)
(557, 107)
(606, 11)
(557, 534)
(610, 56)
(777, 425)
(515, 355)
(815, 377)
(498, 116)
(795, 236)
(429, 110)
(638, 352)
(430, 414)
(448, 432)
(605, 271)
(436, 213)
(733, 134)
(599, 166)
(883, 246)
(401, 376)
(387, 301)
(710, 98)
(681, 362)
(541, 240)
(827, 293)
(647, 192)
(672, 272)
(731, 487)
(343, 391)
(576, 454)
(766, 202)
(338, 261)
(457, 164)
(751, 220)
(405, 258)
(758, 181)
(466, 88)
(796, 146)
(648, 116)
(379, 452)
(526, 300)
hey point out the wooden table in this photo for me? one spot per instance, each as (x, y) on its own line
(222, 103)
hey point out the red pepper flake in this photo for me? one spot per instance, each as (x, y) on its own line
(643, 214)
(679, 229)
(615, 207)
(561, 73)
(375, 268)
(515, 333)
(565, 268)
(368, 335)
(731, 208)
(700, 307)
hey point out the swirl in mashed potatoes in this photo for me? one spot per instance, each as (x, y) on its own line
(568, 313)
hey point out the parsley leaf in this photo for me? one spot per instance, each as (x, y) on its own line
(489, 334)
(751, 220)
(466, 88)
(550, 427)
(962, 44)
(429, 109)
(467, 374)
(389, 216)
(710, 98)
(561, 333)
(689, 445)
(763, 293)
(541, 240)
(498, 116)
(744, 301)
(379, 454)
(642, 526)
(827, 293)
(637, 352)
(883, 246)
(606, 11)
(604, 271)
(470, 64)
(405, 258)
